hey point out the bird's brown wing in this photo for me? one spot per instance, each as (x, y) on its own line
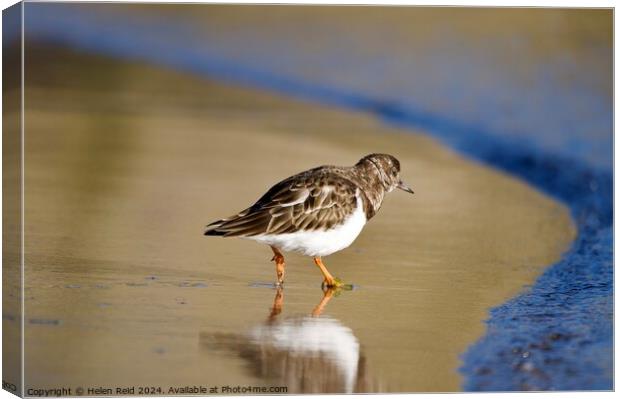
(313, 200)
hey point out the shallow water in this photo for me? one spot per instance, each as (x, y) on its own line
(122, 288)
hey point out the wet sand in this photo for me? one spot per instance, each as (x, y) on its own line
(126, 163)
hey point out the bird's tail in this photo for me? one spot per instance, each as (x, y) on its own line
(244, 224)
(212, 228)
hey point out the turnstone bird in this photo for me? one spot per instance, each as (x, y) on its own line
(316, 212)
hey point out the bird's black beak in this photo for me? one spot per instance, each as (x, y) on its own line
(404, 187)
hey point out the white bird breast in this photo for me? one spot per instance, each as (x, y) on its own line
(319, 242)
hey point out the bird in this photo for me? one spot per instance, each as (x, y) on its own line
(316, 212)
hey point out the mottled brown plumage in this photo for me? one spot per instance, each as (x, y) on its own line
(316, 199)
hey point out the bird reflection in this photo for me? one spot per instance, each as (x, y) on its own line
(308, 354)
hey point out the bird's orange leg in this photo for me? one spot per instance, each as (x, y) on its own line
(279, 259)
(328, 279)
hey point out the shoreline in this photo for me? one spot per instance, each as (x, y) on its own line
(585, 188)
(420, 259)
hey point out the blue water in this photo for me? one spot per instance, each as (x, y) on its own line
(554, 133)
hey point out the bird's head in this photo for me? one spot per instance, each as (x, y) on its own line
(387, 169)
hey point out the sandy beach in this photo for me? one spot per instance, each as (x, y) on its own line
(126, 163)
